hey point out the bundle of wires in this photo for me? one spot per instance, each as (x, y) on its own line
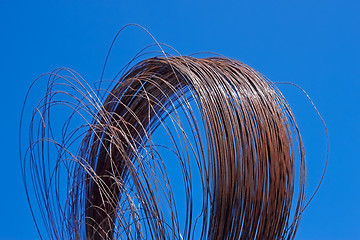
(180, 148)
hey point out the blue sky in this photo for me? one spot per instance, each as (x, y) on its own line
(314, 44)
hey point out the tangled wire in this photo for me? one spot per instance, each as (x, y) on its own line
(180, 148)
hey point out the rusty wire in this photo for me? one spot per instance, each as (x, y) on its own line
(230, 136)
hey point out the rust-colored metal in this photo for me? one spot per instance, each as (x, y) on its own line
(219, 115)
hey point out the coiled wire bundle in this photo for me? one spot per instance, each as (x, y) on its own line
(228, 163)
